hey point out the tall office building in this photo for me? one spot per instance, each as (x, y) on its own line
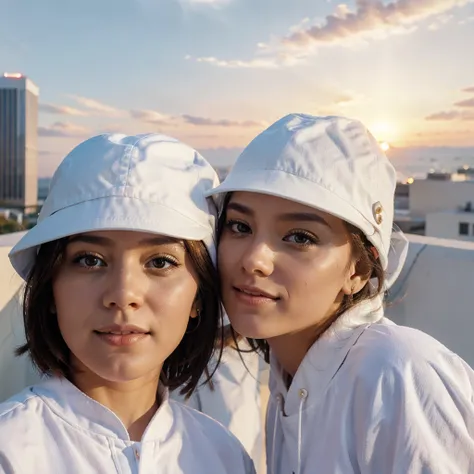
(18, 142)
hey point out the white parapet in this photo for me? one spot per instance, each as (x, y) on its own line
(435, 292)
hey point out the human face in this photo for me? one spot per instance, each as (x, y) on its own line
(123, 302)
(285, 267)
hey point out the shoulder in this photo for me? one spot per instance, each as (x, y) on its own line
(18, 416)
(196, 423)
(200, 422)
(19, 405)
(411, 402)
(398, 356)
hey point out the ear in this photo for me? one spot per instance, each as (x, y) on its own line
(196, 308)
(354, 280)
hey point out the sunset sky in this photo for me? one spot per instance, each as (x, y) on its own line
(215, 72)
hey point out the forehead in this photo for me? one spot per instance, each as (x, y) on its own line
(116, 238)
(274, 207)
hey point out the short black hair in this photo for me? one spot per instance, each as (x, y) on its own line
(182, 369)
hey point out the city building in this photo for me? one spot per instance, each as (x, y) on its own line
(440, 193)
(453, 224)
(18, 142)
(443, 202)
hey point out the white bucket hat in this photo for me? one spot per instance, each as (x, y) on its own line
(148, 183)
(329, 163)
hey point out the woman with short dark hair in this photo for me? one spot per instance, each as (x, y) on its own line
(121, 305)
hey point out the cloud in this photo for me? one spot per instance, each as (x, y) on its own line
(61, 110)
(98, 108)
(451, 115)
(204, 121)
(63, 130)
(346, 98)
(465, 103)
(371, 20)
(151, 116)
(236, 63)
(440, 21)
(457, 114)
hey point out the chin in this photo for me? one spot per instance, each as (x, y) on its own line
(251, 327)
(120, 372)
(119, 375)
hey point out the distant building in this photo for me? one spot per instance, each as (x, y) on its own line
(454, 224)
(43, 189)
(438, 195)
(18, 142)
(445, 202)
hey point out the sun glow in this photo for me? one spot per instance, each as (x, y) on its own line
(384, 132)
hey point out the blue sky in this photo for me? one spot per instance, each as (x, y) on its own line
(215, 72)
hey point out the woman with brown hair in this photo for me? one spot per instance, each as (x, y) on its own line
(306, 252)
(121, 305)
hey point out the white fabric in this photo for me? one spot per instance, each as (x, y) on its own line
(371, 397)
(234, 399)
(149, 183)
(54, 428)
(329, 163)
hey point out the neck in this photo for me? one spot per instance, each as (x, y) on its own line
(134, 402)
(290, 349)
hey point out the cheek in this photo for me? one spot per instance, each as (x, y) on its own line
(322, 276)
(228, 255)
(71, 298)
(173, 299)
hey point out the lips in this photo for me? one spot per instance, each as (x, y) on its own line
(255, 292)
(117, 335)
(120, 330)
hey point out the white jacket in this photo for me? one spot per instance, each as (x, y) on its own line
(234, 399)
(54, 428)
(371, 397)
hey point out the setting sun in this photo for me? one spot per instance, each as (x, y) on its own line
(384, 132)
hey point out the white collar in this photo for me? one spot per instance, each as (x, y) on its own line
(325, 356)
(81, 411)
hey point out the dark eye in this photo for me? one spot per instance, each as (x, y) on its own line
(238, 227)
(89, 261)
(162, 263)
(302, 238)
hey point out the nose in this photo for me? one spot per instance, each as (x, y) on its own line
(258, 259)
(125, 288)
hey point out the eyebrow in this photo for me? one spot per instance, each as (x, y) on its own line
(303, 216)
(286, 217)
(235, 206)
(107, 242)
